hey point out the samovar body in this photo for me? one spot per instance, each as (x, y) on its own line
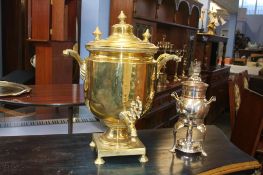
(189, 131)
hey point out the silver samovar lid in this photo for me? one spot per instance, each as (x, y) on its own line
(194, 87)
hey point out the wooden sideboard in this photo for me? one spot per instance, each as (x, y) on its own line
(163, 113)
(51, 29)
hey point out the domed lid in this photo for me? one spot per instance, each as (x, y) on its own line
(122, 39)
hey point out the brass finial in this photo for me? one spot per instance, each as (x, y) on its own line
(146, 36)
(122, 17)
(97, 34)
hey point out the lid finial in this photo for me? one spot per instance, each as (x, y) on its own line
(122, 17)
(146, 36)
(97, 33)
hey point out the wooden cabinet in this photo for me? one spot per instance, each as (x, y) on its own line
(163, 112)
(217, 79)
(209, 48)
(51, 29)
(178, 22)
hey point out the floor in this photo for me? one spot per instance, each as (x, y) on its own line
(45, 121)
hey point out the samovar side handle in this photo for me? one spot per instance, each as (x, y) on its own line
(176, 97)
(163, 59)
(82, 64)
(212, 99)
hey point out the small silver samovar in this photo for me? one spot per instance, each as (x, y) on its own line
(189, 131)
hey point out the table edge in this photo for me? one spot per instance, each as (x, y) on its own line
(232, 168)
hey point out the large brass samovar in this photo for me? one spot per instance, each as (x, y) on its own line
(119, 83)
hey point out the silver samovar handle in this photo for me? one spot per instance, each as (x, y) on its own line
(176, 97)
(212, 99)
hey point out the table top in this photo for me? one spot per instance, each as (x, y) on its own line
(71, 154)
(49, 95)
(252, 70)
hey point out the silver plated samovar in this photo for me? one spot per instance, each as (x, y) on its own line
(189, 131)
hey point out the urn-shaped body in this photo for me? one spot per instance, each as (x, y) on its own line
(193, 103)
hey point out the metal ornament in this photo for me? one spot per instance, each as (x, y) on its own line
(12, 89)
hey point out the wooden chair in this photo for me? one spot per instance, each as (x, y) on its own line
(236, 85)
(246, 133)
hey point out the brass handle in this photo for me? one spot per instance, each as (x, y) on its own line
(163, 59)
(130, 116)
(212, 99)
(82, 64)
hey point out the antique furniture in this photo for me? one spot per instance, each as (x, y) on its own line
(256, 84)
(217, 79)
(163, 113)
(207, 49)
(189, 130)
(51, 95)
(252, 70)
(120, 78)
(247, 131)
(248, 52)
(69, 154)
(236, 85)
(51, 28)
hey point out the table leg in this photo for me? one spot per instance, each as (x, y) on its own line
(70, 120)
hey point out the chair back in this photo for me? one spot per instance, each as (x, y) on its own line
(248, 126)
(236, 85)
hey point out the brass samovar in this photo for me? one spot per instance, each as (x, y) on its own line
(190, 130)
(120, 78)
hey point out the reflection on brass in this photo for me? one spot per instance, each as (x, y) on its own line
(120, 77)
(189, 131)
(12, 89)
(185, 62)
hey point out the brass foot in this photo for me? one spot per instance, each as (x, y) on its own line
(204, 153)
(143, 159)
(92, 144)
(99, 161)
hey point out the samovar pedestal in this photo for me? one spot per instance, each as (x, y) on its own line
(110, 148)
(185, 138)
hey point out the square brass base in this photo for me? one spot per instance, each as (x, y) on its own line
(103, 150)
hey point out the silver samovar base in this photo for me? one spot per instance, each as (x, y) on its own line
(189, 146)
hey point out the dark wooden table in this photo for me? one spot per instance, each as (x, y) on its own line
(54, 95)
(71, 154)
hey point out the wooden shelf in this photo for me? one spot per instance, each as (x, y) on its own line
(172, 24)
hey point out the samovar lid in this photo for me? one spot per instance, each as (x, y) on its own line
(122, 39)
(196, 84)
